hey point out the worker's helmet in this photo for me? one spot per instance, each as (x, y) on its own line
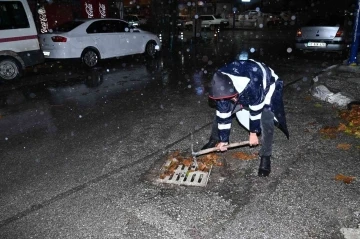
(222, 87)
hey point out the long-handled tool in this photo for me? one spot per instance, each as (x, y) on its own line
(209, 150)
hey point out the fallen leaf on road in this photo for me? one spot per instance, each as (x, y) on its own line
(210, 159)
(342, 127)
(202, 166)
(187, 162)
(329, 132)
(344, 146)
(345, 179)
(176, 159)
(352, 118)
(244, 156)
(308, 98)
(351, 124)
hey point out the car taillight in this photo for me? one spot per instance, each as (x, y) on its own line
(339, 33)
(58, 39)
(298, 33)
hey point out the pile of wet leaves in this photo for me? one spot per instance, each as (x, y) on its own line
(176, 159)
(352, 121)
(350, 124)
(204, 162)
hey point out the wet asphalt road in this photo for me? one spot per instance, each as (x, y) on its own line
(77, 147)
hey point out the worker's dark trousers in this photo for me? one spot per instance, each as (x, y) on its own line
(267, 131)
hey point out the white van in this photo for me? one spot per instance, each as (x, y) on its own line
(19, 44)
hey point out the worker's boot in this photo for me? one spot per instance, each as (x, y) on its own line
(211, 144)
(265, 166)
(214, 137)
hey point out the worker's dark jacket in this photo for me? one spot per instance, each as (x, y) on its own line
(258, 87)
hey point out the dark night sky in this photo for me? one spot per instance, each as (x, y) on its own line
(302, 5)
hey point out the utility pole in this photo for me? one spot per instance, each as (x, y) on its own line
(355, 43)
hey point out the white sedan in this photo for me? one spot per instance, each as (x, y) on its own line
(95, 39)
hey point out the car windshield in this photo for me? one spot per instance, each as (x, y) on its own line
(68, 26)
(132, 18)
(218, 16)
(326, 21)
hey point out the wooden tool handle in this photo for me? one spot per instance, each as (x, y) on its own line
(209, 150)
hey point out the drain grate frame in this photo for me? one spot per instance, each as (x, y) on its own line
(185, 175)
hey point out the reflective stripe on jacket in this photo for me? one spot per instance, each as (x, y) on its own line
(258, 87)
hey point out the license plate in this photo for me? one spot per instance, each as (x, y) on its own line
(46, 53)
(321, 44)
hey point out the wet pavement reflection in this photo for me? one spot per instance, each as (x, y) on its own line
(186, 68)
(30, 103)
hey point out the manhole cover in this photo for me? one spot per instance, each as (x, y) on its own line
(175, 168)
(180, 169)
(184, 175)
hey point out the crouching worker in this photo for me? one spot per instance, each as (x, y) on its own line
(253, 92)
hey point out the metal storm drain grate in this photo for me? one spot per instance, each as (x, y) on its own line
(185, 175)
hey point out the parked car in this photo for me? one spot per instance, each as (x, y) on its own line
(142, 19)
(94, 39)
(326, 34)
(209, 22)
(250, 14)
(19, 45)
(181, 20)
(274, 20)
(132, 20)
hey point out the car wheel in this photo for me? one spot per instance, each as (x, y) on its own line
(10, 69)
(299, 53)
(150, 48)
(90, 57)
